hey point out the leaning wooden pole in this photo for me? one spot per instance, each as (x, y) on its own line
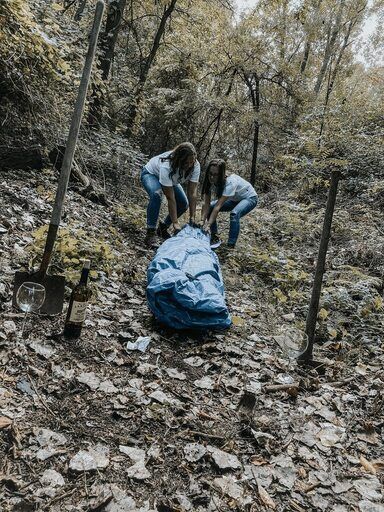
(310, 327)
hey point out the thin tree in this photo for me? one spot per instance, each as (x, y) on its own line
(332, 34)
(215, 122)
(253, 83)
(334, 71)
(108, 42)
(146, 65)
(308, 41)
(80, 10)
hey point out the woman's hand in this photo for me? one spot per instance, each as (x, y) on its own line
(192, 222)
(206, 227)
(176, 228)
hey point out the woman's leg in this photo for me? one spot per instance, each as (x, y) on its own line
(226, 207)
(153, 188)
(242, 208)
(181, 203)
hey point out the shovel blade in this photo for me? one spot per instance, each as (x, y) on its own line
(54, 291)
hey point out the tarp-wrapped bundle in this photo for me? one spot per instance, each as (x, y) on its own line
(185, 287)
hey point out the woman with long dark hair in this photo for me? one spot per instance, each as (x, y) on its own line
(164, 174)
(232, 194)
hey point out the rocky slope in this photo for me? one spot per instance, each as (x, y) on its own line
(195, 422)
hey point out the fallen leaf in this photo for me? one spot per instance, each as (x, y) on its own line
(205, 383)
(52, 478)
(9, 326)
(368, 466)
(162, 398)
(194, 361)
(368, 506)
(95, 458)
(368, 487)
(194, 451)
(5, 422)
(45, 351)
(331, 435)
(238, 321)
(138, 471)
(227, 485)
(323, 313)
(135, 454)
(175, 374)
(90, 379)
(107, 386)
(121, 501)
(265, 497)
(224, 460)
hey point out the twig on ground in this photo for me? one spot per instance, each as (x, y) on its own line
(43, 402)
(281, 387)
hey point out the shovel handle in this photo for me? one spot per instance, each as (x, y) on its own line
(72, 139)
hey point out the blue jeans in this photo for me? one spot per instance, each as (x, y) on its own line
(153, 188)
(238, 209)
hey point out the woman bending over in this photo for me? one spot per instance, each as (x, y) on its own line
(232, 194)
(164, 174)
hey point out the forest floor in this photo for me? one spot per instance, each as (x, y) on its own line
(192, 423)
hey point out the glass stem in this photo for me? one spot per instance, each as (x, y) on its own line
(23, 324)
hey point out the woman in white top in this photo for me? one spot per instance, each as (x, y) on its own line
(164, 174)
(233, 194)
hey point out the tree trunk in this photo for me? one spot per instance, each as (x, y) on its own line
(109, 38)
(216, 119)
(107, 48)
(282, 42)
(306, 356)
(307, 46)
(80, 10)
(325, 106)
(304, 62)
(86, 187)
(146, 66)
(332, 77)
(339, 57)
(256, 130)
(254, 89)
(334, 32)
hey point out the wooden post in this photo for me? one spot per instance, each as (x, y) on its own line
(310, 327)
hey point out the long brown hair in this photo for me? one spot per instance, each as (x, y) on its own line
(179, 156)
(206, 188)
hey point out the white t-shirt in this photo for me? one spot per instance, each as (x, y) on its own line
(162, 170)
(237, 188)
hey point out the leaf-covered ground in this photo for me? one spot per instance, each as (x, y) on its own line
(195, 423)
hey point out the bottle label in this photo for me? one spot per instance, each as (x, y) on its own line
(78, 312)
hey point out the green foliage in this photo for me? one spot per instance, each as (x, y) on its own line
(285, 275)
(28, 56)
(72, 246)
(130, 218)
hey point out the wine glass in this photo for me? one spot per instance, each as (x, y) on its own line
(30, 297)
(292, 342)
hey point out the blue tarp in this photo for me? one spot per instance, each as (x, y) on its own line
(185, 287)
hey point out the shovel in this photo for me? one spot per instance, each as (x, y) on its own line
(54, 285)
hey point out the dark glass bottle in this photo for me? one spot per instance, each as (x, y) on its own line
(77, 305)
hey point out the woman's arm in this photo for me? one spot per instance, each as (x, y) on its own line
(216, 210)
(192, 199)
(172, 208)
(205, 207)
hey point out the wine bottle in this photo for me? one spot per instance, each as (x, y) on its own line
(77, 305)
